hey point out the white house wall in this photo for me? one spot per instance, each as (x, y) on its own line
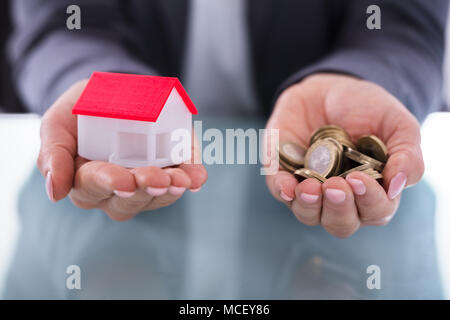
(175, 115)
(97, 134)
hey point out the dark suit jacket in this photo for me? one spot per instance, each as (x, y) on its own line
(289, 40)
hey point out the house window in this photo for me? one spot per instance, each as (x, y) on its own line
(132, 146)
(163, 146)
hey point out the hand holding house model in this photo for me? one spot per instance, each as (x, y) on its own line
(134, 120)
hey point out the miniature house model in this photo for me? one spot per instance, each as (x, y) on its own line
(130, 120)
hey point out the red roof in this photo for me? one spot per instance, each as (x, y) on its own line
(128, 96)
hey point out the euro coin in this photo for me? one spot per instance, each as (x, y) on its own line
(332, 131)
(358, 168)
(292, 153)
(324, 157)
(363, 159)
(373, 147)
(373, 173)
(305, 173)
(286, 166)
(326, 130)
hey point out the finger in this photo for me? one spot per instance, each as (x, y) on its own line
(96, 181)
(124, 208)
(374, 206)
(59, 145)
(197, 173)
(404, 168)
(282, 186)
(405, 165)
(339, 213)
(193, 168)
(308, 202)
(179, 181)
(153, 180)
(57, 152)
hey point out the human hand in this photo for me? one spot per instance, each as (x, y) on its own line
(340, 205)
(120, 192)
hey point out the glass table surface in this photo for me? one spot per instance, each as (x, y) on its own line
(231, 240)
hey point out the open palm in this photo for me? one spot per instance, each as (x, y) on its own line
(361, 108)
(120, 192)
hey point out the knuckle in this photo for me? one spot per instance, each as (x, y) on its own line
(307, 217)
(117, 214)
(307, 220)
(341, 230)
(367, 201)
(379, 218)
(115, 209)
(373, 215)
(119, 217)
(81, 203)
(165, 201)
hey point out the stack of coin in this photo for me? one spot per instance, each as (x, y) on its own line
(332, 131)
(332, 153)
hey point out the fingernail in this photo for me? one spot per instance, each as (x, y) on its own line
(176, 191)
(49, 186)
(309, 198)
(195, 190)
(397, 184)
(284, 196)
(156, 192)
(357, 185)
(335, 195)
(123, 194)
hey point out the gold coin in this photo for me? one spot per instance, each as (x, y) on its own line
(304, 173)
(334, 132)
(292, 153)
(363, 159)
(358, 168)
(373, 147)
(340, 153)
(373, 173)
(324, 157)
(326, 129)
(345, 142)
(286, 166)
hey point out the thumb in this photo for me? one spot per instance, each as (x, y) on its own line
(405, 165)
(59, 145)
(56, 164)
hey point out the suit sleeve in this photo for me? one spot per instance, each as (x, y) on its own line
(47, 57)
(405, 56)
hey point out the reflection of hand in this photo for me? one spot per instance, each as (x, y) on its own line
(120, 192)
(360, 107)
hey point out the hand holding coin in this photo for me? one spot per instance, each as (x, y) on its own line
(359, 148)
